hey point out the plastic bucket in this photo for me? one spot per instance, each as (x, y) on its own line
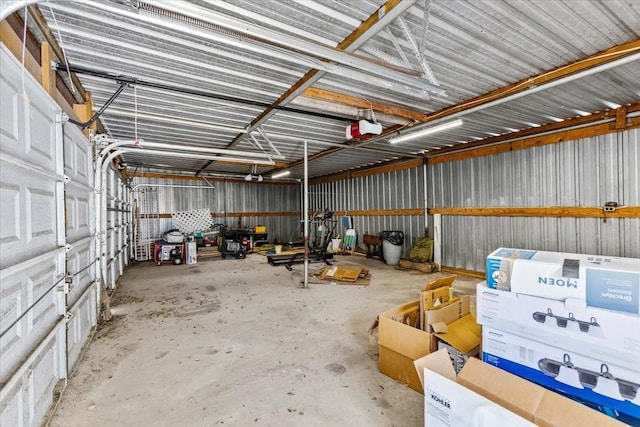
(391, 252)
(335, 244)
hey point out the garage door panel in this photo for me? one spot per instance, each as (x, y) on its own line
(9, 212)
(28, 394)
(29, 201)
(78, 163)
(39, 289)
(9, 121)
(81, 264)
(41, 208)
(83, 319)
(41, 147)
(32, 284)
(12, 406)
(30, 128)
(11, 305)
(78, 212)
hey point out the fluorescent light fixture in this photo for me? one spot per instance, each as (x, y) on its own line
(280, 174)
(424, 132)
(240, 160)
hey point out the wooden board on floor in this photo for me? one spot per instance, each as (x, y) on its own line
(344, 274)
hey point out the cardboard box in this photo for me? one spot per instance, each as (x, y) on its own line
(461, 339)
(606, 282)
(449, 404)
(585, 378)
(260, 229)
(191, 252)
(400, 344)
(505, 395)
(610, 336)
(435, 293)
(458, 358)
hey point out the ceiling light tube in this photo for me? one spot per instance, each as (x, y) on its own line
(167, 119)
(170, 154)
(427, 131)
(141, 144)
(280, 174)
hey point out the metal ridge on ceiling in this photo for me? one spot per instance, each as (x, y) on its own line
(267, 75)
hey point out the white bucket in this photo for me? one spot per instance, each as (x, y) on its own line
(335, 244)
(391, 252)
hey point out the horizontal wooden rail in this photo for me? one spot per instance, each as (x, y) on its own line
(555, 211)
(559, 211)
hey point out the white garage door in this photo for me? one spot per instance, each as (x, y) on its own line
(80, 236)
(32, 240)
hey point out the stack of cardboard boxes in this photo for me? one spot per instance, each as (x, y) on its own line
(568, 322)
(424, 345)
(436, 320)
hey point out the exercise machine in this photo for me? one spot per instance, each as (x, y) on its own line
(325, 226)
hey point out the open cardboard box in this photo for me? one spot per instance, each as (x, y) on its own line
(400, 344)
(435, 292)
(461, 339)
(484, 396)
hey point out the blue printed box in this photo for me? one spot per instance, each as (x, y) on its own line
(606, 282)
(605, 385)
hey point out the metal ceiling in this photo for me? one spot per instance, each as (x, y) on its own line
(394, 54)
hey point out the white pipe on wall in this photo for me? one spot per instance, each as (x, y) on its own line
(437, 240)
(305, 211)
(426, 199)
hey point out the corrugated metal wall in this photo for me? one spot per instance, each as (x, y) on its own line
(582, 173)
(587, 172)
(402, 189)
(222, 197)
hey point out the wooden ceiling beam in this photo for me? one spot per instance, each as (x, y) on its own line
(577, 121)
(354, 101)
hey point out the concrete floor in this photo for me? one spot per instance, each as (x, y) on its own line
(235, 342)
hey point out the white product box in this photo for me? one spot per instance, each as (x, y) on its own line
(611, 336)
(449, 404)
(586, 378)
(606, 282)
(192, 252)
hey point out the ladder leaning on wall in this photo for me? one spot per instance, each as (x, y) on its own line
(146, 222)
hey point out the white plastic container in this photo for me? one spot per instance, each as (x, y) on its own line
(391, 252)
